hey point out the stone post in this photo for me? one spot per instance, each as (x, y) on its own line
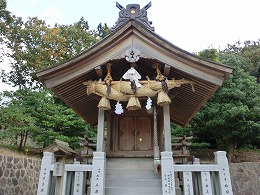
(168, 180)
(45, 174)
(98, 174)
(79, 181)
(58, 172)
(224, 175)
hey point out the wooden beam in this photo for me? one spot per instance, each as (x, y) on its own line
(166, 70)
(99, 72)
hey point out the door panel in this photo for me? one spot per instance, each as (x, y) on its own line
(126, 133)
(143, 128)
(135, 133)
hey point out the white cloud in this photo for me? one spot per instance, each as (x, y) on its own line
(52, 15)
(5, 65)
(195, 25)
(33, 1)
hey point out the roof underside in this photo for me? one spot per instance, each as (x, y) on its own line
(66, 80)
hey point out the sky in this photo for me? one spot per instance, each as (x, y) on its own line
(192, 25)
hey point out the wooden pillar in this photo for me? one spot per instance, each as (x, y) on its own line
(167, 168)
(100, 130)
(167, 129)
(99, 161)
(155, 135)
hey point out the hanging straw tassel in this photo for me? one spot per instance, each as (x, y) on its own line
(104, 104)
(163, 99)
(133, 104)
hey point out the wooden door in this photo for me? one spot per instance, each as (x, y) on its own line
(135, 133)
(126, 133)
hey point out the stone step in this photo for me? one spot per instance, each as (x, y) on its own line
(144, 183)
(144, 159)
(132, 176)
(129, 163)
(132, 173)
(133, 191)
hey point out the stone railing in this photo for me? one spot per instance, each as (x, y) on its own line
(196, 178)
(51, 170)
(20, 175)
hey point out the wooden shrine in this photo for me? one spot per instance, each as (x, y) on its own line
(136, 83)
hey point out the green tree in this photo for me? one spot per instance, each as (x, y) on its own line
(232, 115)
(38, 109)
(210, 54)
(33, 45)
(16, 125)
(103, 30)
(250, 51)
(5, 18)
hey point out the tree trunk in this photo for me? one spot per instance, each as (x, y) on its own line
(16, 139)
(21, 141)
(232, 145)
(25, 139)
(221, 144)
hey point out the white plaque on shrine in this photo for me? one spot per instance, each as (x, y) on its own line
(58, 166)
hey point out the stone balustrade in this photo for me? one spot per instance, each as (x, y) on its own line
(21, 176)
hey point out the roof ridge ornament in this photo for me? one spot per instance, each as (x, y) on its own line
(133, 12)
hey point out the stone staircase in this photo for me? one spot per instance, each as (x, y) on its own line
(132, 176)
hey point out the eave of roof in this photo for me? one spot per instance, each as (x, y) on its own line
(66, 79)
(150, 34)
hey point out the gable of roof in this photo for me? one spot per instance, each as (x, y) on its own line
(66, 79)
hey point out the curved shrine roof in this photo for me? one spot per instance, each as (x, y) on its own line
(66, 79)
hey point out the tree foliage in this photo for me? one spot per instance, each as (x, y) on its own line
(34, 45)
(249, 51)
(5, 18)
(210, 54)
(16, 125)
(231, 117)
(35, 114)
(103, 30)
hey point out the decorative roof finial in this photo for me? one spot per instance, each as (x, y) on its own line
(132, 11)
